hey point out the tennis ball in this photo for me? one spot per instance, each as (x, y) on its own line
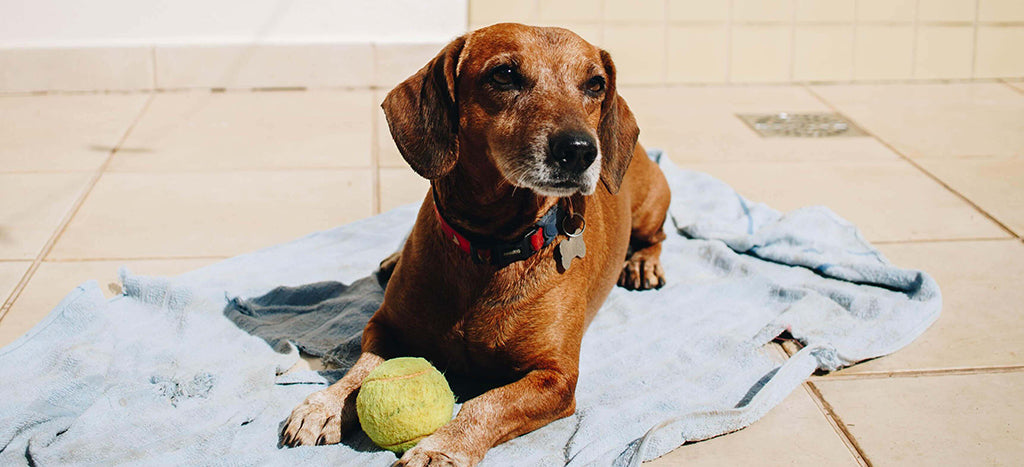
(403, 401)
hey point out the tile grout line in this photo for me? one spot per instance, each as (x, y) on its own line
(133, 258)
(666, 29)
(913, 44)
(153, 69)
(854, 33)
(916, 165)
(66, 220)
(375, 154)
(375, 137)
(974, 38)
(944, 240)
(792, 346)
(792, 40)
(1014, 88)
(166, 171)
(925, 373)
(837, 424)
(729, 42)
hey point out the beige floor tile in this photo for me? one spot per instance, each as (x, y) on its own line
(796, 422)
(485, 12)
(762, 10)
(943, 51)
(401, 186)
(145, 215)
(569, 10)
(700, 124)
(32, 208)
(698, 53)
(887, 200)
(698, 10)
(638, 52)
(1000, 10)
(264, 65)
(57, 133)
(998, 52)
(938, 420)
(396, 62)
(994, 183)
(10, 274)
(53, 280)
(75, 68)
(886, 10)
(251, 130)
(823, 52)
(937, 120)
(981, 324)
(883, 51)
(631, 11)
(761, 53)
(946, 10)
(1018, 85)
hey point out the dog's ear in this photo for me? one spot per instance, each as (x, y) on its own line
(423, 115)
(618, 131)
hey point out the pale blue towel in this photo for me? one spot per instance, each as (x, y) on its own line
(169, 374)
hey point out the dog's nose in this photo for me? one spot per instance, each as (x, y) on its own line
(572, 150)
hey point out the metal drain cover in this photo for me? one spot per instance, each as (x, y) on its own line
(801, 125)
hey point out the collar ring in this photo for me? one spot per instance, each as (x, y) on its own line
(578, 232)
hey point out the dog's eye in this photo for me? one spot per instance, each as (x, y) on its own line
(505, 77)
(595, 85)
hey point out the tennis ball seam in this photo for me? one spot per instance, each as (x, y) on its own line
(400, 377)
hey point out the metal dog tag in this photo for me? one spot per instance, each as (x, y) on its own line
(572, 247)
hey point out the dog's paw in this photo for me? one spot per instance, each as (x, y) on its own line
(387, 268)
(641, 272)
(446, 447)
(321, 419)
(423, 457)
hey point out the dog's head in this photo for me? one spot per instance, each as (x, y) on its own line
(541, 102)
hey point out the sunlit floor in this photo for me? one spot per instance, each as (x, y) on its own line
(168, 182)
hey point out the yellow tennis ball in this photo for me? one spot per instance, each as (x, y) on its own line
(403, 401)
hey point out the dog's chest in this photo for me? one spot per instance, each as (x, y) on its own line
(489, 340)
(491, 332)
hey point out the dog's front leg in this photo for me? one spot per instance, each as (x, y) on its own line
(498, 415)
(325, 415)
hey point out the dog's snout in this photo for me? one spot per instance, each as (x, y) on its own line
(573, 151)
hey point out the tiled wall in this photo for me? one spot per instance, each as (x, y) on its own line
(358, 65)
(718, 41)
(653, 42)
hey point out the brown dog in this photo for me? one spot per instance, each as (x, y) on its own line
(515, 126)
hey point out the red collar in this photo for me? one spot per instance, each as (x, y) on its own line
(498, 253)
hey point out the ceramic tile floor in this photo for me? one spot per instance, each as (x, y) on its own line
(169, 182)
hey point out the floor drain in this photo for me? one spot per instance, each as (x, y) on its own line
(801, 125)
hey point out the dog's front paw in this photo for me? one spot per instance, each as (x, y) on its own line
(440, 449)
(321, 419)
(641, 272)
(417, 457)
(387, 267)
(422, 457)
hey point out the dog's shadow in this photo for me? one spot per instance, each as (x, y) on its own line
(326, 320)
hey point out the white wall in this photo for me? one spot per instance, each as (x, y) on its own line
(86, 23)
